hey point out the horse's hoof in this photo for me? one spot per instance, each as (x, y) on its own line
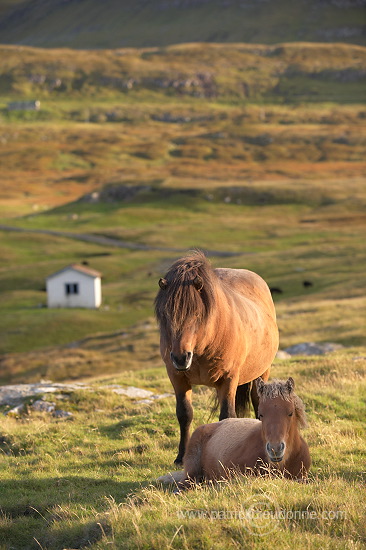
(178, 462)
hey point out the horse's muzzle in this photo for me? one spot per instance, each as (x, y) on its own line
(276, 452)
(183, 362)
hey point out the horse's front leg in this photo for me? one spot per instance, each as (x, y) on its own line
(226, 391)
(184, 410)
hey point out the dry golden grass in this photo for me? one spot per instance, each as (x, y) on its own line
(45, 164)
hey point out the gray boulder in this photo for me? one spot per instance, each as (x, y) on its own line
(310, 348)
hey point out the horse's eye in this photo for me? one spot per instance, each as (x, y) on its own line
(290, 414)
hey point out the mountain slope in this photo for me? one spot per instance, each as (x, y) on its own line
(292, 72)
(119, 23)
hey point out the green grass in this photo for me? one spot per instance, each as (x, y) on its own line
(300, 232)
(91, 481)
(285, 243)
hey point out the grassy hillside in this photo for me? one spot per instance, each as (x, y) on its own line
(119, 23)
(235, 73)
(251, 161)
(165, 166)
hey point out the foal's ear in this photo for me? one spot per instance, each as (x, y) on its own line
(163, 283)
(290, 384)
(198, 283)
(260, 385)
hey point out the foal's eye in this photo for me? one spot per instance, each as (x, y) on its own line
(290, 414)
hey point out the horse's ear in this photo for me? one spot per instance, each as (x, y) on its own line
(198, 283)
(260, 385)
(290, 384)
(163, 283)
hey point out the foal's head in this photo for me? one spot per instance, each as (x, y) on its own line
(281, 412)
(183, 304)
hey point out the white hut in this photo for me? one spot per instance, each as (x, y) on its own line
(74, 286)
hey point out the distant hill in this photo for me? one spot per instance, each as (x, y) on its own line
(85, 24)
(284, 73)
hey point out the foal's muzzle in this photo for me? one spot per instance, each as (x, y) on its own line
(276, 452)
(183, 362)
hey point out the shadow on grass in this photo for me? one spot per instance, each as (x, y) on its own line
(35, 496)
(65, 512)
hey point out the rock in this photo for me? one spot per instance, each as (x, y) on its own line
(281, 354)
(43, 406)
(161, 395)
(94, 196)
(15, 411)
(131, 391)
(144, 402)
(328, 347)
(62, 414)
(153, 397)
(145, 397)
(310, 348)
(14, 394)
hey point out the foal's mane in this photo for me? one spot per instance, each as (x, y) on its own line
(180, 304)
(280, 388)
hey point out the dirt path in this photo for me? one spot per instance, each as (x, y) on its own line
(108, 241)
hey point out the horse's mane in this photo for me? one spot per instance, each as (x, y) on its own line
(180, 303)
(280, 388)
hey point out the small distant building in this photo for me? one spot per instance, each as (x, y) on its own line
(24, 105)
(74, 286)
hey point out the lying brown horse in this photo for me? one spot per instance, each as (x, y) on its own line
(217, 328)
(249, 445)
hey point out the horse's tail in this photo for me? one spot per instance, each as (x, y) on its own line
(215, 405)
(242, 399)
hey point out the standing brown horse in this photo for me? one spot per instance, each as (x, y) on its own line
(217, 328)
(272, 443)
